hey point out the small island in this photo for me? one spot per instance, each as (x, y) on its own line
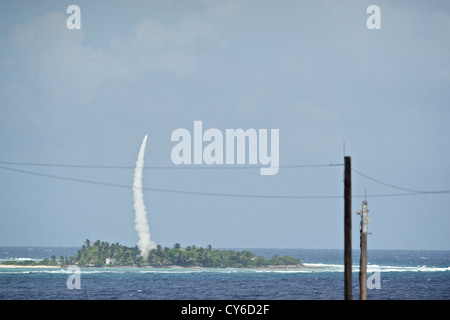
(100, 254)
(104, 254)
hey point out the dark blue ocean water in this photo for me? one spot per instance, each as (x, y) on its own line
(400, 275)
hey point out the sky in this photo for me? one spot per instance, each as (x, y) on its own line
(75, 105)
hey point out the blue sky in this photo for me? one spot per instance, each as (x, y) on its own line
(311, 69)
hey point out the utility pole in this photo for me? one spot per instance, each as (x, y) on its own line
(348, 228)
(363, 260)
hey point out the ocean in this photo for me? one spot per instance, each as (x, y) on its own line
(392, 275)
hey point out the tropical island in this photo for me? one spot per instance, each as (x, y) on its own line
(104, 254)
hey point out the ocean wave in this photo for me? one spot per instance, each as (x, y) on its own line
(24, 270)
(325, 267)
(407, 269)
(19, 259)
(371, 268)
(192, 270)
(42, 270)
(309, 268)
(225, 271)
(285, 271)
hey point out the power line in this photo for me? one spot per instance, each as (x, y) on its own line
(167, 190)
(193, 167)
(65, 178)
(410, 193)
(387, 184)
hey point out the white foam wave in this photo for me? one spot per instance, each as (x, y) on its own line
(36, 270)
(407, 269)
(190, 270)
(375, 268)
(325, 267)
(20, 259)
(285, 271)
(25, 270)
(211, 270)
(310, 268)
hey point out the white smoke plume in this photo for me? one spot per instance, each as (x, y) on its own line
(141, 225)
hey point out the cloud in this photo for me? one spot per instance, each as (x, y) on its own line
(55, 71)
(58, 61)
(58, 56)
(172, 49)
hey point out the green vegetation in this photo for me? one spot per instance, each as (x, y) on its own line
(102, 253)
(208, 257)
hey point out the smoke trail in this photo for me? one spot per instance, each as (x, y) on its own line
(144, 244)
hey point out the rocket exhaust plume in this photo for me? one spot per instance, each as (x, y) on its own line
(144, 244)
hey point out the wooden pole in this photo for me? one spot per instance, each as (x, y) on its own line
(363, 259)
(363, 267)
(348, 229)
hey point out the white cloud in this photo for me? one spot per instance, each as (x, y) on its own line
(167, 48)
(58, 61)
(58, 70)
